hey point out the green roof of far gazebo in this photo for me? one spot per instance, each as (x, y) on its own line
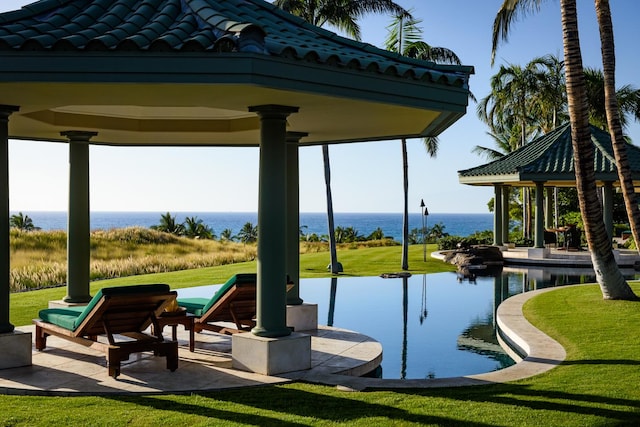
(549, 159)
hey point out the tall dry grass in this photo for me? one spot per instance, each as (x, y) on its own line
(39, 259)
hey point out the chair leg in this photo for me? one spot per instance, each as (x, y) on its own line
(41, 339)
(113, 362)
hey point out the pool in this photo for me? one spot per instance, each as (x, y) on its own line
(430, 326)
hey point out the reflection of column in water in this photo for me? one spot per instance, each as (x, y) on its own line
(332, 300)
(500, 291)
(423, 308)
(405, 309)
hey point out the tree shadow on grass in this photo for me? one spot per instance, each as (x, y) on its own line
(288, 402)
(525, 396)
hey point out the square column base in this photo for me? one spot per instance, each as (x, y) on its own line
(16, 349)
(303, 317)
(271, 356)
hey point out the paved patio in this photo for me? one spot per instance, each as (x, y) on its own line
(339, 358)
(559, 257)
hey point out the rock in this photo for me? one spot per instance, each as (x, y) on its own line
(475, 256)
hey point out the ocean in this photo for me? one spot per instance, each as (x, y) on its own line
(363, 223)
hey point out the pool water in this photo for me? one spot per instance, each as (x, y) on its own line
(430, 326)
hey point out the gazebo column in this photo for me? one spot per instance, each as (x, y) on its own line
(271, 347)
(506, 191)
(78, 227)
(607, 207)
(16, 345)
(301, 317)
(539, 230)
(548, 217)
(497, 215)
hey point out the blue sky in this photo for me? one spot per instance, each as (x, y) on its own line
(366, 177)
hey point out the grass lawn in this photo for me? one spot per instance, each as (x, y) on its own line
(598, 385)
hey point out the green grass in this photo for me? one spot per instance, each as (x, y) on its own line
(596, 386)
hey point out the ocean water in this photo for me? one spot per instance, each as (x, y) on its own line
(363, 223)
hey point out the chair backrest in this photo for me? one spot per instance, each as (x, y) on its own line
(238, 294)
(124, 309)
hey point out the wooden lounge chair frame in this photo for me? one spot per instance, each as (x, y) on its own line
(126, 311)
(236, 304)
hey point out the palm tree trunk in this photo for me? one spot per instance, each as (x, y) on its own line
(613, 117)
(335, 266)
(405, 218)
(611, 281)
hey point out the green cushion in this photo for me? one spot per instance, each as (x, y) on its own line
(193, 305)
(71, 317)
(199, 306)
(63, 317)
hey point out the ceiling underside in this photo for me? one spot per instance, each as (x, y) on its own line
(197, 114)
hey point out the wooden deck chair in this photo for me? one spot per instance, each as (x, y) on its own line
(126, 311)
(234, 302)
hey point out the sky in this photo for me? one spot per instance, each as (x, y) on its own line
(365, 177)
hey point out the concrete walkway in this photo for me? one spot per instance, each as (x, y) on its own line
(339, 358)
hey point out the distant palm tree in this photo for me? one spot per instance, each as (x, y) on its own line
(22, 222)
(168, 224)
(197, 229)
(248, 233)
(227, 234)
(376, 234)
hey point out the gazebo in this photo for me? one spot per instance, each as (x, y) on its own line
(545, 163)
(205, 73)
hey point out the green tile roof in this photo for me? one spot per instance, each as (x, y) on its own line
(550, 158)
(250, 26)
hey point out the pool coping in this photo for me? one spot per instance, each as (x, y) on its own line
(541, 354)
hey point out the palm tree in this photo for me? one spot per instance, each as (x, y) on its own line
(627, 98)
(343, 15)
(168, 224)
(197, 229)
(509, 109)
(614, 122)
(22, 222)
(612, 283)
(405, 37)
(227, 234)
(248, 233)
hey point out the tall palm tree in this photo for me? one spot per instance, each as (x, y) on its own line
(612, 283)
(405, 37)
(511, 107)
(343, 15)
(603, 12)
(627, 98)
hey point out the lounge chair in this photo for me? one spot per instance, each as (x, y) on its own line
(234, 303)
(126, 311)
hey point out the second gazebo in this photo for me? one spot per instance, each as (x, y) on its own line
(545, 163)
